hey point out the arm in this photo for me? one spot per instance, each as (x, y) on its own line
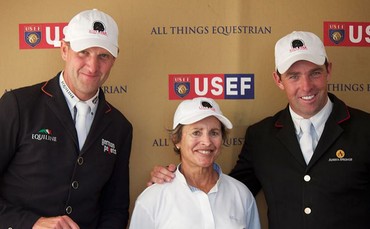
(253, 220)
(115, 198)
(10, 214)
(244, 168)
(141, 217)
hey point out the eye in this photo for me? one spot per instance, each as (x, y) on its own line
(293, 77)
(316, 73)
(104, 56)
(215, 133)
(83, 53)
(196, 133)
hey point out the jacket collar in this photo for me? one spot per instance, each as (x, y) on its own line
(339, 113)
(59, 107)
(52, 89)
(332, 130)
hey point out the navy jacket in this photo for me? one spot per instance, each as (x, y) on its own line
(332, 191)
(42, 170)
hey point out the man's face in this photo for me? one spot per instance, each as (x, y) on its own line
(305, 85)
(87, 70)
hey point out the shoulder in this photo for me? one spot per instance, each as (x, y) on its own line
(355, 112)
(116, 115)
(24, 95)
(270, 123)
(235, 185)
(343, 113)
(27, 90)
(157, 193)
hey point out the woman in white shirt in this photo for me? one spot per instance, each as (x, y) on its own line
(200, 196)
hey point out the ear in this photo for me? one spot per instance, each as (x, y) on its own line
(328, 69)
(64, 47)
(277, 80)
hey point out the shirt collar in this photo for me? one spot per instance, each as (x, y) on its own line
(72, 98)
(181, 176)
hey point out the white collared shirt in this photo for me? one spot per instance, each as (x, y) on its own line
(229, 204)
(318, 121)
(72, 99)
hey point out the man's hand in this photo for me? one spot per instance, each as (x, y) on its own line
(58, 222)
(162, 174)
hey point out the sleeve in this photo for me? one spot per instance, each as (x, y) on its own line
(10, 216)
(141, 218)
(9, 124)
(115, 199)
(244, 169)
(253, 220)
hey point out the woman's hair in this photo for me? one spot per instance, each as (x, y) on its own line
(176, 134)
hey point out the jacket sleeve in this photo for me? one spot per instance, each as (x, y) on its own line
(244, 169)
(11, 216)
(115, 199)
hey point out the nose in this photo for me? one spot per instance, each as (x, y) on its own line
(93, 64)
(206, 140)
(306, 83)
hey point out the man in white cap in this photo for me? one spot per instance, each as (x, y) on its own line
(318, 182)
(64, 160)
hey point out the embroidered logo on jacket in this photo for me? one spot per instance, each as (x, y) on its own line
(44, 135)
(108, 146)
(340, 156)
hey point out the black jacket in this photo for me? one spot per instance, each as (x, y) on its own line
(334, 188)
(42, 170)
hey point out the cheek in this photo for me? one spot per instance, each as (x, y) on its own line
(74, 64)
(188, 143)
(105, 67)
(290, 90)
(218, 143)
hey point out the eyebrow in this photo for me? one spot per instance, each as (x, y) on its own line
(320, 68)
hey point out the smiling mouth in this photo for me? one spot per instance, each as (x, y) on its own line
(204, 152)
(308, 97)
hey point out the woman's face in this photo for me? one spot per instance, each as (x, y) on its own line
(201, 142)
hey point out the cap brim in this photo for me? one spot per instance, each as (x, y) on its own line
(82, 44)
(195, 118)
(283, 67)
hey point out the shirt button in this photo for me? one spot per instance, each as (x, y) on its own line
(307, 178)
(307, 211)
(80, 160)
(69, 210)
(75, 184)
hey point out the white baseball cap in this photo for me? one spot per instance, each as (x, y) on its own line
(194, 110)
(297, 46)
(92, 28)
